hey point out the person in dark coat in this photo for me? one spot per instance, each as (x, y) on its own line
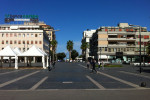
(93, 64)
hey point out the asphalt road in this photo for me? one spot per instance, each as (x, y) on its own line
(74, 81)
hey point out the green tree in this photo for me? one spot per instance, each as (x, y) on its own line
(74, 54)
(54, 45)
(61, 56)
(69, 48)
(84, 46)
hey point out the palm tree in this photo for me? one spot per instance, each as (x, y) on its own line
(69, 48)
(84, 46)
(54, 45)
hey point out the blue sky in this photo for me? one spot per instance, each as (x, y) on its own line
(72, 17)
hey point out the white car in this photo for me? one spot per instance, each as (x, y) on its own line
(138, 64)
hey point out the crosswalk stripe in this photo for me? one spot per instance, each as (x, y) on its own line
(118, 79)
(38, 84)
(19, 78)
(10, 72)
(135, 74)
(96, 83)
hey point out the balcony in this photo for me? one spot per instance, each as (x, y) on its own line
(116, 39)
(131, 45)
(131, 39)
(117, 45)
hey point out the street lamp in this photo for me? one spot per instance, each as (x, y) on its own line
(100, 49)
(140, 44)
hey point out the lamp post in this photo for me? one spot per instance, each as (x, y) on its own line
(140, 44)
(100, 49)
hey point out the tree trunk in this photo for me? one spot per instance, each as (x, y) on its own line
(53, 55)
(69, 55)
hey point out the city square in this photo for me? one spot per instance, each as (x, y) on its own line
(71, 79)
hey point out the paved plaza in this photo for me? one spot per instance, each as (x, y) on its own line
(74, 80)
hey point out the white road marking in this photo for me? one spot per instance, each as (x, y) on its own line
(67, 82)
(96, 83)
(19, 78)
(38, 84)
(10, 72)
(135, 74)
(82, 65)
(118, 79)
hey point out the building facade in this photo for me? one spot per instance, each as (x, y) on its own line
(23, 36)
(107, 42)
(86, 39)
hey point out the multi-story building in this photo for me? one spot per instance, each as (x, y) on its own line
(23, 36)
(48, 30)
(107, 42)
(86, 39)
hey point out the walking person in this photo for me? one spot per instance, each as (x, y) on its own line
(93, 64)
(88, 65)
(103, 65)
(99, 64)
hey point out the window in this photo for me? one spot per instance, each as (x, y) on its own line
(40, 35)
(127, 30)
(31, 42)
(20, 49)
(27, 42)
(32, 35)
(2, 41)
(23, 49)
(124, 49)
(6, 34)
(35, 42)
(118, 49)
(40, 42)
(105, 48)
(35, 35)
(27, 35)
(2, 48)
(11, 34)
(2, 35)
(23, 35)
(15, 35)
(19, 34)
(23, 42)
(106, 30)
(109, 49)
(120, 29)
(10, 41)
(19, 42)
(7, 42)
(15, 42)
(145, 43)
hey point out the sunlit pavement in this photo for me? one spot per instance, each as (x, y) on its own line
(74, 80)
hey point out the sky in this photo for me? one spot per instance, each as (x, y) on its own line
(72, 17)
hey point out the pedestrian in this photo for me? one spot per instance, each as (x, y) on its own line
(103, 65)
(99, 64)
(88, 64)
(54, 64)
(93, 64)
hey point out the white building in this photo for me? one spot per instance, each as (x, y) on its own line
(86, 39)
